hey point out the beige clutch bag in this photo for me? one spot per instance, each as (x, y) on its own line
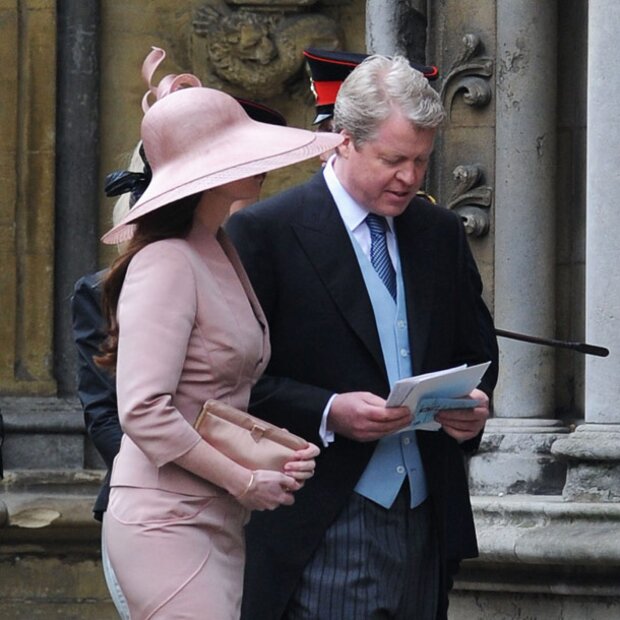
(247, 440)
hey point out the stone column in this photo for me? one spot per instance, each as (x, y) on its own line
(77, 169)
(396, 27)
(525, 197)
(593, 450)
(515, 454)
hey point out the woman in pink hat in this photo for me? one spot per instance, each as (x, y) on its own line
(184, 327)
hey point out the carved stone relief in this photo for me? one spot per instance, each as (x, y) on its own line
(471, 199)
(268, 5)
(470, 77)
(256, 49)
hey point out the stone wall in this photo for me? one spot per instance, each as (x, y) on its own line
(27, 117)
(50, 547)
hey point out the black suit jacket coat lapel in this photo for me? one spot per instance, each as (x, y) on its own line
(324, 238)
(416, 252)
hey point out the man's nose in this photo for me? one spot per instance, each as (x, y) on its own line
(408, 173)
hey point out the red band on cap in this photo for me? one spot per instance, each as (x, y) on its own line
(431, 73)
(326, 92)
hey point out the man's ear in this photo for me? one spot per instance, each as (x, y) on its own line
(344, 148)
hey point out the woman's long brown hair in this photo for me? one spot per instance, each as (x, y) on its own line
(172, 221)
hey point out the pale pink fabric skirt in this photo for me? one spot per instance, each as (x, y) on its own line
(176, 556)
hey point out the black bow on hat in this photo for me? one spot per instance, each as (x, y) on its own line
(122, 181)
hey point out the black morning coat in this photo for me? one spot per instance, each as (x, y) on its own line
(300, 261)
(95, 386)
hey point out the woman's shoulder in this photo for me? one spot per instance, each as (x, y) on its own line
(163, 249)
(175, 254)
(161, 267)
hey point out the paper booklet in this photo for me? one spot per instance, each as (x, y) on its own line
(426, 394)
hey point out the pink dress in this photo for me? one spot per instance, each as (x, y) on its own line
(190, 329)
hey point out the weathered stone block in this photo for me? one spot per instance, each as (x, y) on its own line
(515, 458)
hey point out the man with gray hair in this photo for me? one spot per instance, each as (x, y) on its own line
(363, 284)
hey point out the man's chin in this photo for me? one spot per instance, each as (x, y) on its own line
(395, 206)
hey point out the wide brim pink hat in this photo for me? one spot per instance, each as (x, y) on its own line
(197, 138)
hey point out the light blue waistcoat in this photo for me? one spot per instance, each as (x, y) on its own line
(396, 457)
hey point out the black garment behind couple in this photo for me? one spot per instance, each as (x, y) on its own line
(96, 386)
(324, 339)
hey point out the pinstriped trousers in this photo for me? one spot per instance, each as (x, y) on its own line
(373, 564)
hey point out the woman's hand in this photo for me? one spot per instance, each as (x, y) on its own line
(301, 467)
(267, 490)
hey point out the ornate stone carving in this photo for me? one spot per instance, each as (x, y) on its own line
(471, 199)
(256, 52)
(270, 5)
(470, 74)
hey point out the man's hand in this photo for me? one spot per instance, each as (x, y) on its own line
(464, 424)
(364, 417)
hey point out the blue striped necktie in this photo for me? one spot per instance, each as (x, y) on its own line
(379, 255)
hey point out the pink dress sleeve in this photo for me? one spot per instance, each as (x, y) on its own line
(156, 314)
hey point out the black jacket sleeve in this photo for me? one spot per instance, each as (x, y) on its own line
(489, 343)
(96, 387)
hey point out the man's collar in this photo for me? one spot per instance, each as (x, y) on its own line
(352, 213)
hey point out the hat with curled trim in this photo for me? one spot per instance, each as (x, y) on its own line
(197, 138)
